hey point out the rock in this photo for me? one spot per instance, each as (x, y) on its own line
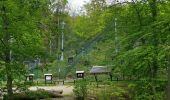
(0, 93)
(56, 91)
(55, 94)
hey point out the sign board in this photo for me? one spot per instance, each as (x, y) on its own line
(80, 74)
(30, 77)
(70, 60)
(48, 77)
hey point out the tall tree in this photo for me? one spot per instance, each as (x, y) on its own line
(21, 35)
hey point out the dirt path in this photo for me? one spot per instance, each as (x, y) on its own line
(67, 90)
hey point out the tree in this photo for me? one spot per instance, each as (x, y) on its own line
(20, 35)
(143, 38)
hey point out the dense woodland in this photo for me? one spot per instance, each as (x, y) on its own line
(131, 37)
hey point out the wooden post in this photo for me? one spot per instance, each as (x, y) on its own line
(168, 97)
(110, 74)
(96, 80)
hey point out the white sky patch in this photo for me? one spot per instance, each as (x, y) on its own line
(76, 6)
(78, 3)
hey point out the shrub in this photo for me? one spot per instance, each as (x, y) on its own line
(80, 89)
(31, 95)
(143, 90)
(108, 91)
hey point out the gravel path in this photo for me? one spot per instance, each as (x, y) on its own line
(67, 90)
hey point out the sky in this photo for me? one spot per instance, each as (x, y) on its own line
(76, 6)
(78, 3)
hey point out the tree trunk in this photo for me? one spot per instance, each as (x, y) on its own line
(9, 86)
(168, 97)
(8, 65)
(8, 74)
(153, 7)
(6, 50)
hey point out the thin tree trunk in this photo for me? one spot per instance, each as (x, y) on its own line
(168, 97)
(6, 51)
(8, 65)
(8, 68)
(9, 85)
(153, 7)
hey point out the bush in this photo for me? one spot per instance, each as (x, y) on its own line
(31, 95)
(112, 91)
(80, 89)
(143, 90)
(108, 91)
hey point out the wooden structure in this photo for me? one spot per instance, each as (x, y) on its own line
(80, 74)
(96, 70)
(48, 78)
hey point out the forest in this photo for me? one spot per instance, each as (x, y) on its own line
(130, 37)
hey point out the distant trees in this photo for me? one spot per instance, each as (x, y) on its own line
(142, 37)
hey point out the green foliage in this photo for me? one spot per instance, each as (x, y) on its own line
(80, 89)
(23, 34)
(108, 91)
(141, 38)
(31, 95)
(144, 90)
(95, 18)
(136, 45)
